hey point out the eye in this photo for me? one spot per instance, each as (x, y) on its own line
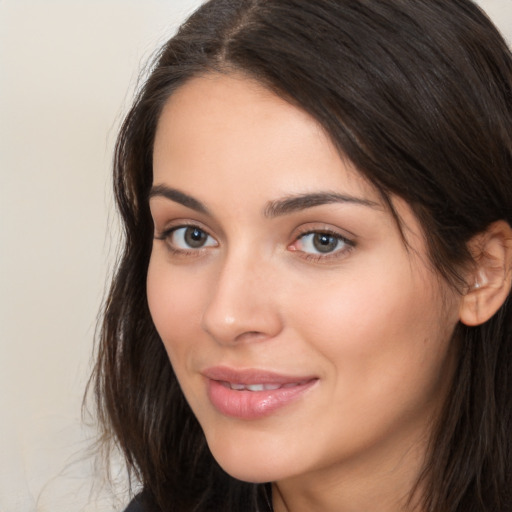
(186, 238)
(322, 243)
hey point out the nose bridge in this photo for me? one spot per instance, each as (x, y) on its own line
(241, 304)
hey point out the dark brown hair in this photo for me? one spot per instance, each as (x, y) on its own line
(418, 95)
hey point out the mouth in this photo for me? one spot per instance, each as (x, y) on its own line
(253, 394)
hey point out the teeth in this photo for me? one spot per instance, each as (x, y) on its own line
(258, 387)
(271, 386)
(255, 387)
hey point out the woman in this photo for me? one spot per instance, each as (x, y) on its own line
(311, 310)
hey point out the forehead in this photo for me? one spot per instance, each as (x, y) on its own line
(230, 128)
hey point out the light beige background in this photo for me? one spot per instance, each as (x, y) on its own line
(67, 73)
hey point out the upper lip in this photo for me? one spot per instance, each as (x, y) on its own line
(252, 376)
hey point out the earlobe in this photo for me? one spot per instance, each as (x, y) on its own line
(489, 283)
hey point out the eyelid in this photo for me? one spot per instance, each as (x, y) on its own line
(320, 227)
(173, 225)
(166, 214)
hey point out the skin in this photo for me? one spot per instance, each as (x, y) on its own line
(369, 319)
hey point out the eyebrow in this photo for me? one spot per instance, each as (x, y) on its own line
(299, 202)
(274, 208)
(178, 197)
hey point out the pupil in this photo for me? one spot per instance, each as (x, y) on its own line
(195, 237)
(324, 242)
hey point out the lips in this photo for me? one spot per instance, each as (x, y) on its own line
(253, 394)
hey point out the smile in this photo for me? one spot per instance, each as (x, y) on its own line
(253, 394)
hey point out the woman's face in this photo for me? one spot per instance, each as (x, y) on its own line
(307, 339)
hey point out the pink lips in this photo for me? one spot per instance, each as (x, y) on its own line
(252, 394)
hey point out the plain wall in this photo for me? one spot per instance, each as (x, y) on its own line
(67, 74)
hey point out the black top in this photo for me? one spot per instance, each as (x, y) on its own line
(135, 505)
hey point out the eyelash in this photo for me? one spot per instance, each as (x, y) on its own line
(166, 235)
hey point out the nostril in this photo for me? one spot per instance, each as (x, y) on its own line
(251, 336)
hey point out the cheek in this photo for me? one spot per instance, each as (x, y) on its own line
(174, 300)
(380, 331)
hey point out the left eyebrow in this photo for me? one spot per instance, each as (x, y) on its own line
(299, 202)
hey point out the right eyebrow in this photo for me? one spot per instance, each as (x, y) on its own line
(299, 202)
(178, 197)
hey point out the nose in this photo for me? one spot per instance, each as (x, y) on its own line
(243, 304)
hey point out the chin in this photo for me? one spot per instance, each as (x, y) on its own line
(247, 472)
(253, 477)
(250, 462)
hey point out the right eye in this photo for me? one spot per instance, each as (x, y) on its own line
(187, 238)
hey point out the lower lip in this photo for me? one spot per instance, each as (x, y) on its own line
(251, 405)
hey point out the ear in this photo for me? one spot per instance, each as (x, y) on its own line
(490, 279)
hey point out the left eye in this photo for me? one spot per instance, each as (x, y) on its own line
(321, 243)
(190, 237)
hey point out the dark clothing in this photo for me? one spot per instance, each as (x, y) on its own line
(136, 505)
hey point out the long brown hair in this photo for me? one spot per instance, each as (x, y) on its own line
(418, 95)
